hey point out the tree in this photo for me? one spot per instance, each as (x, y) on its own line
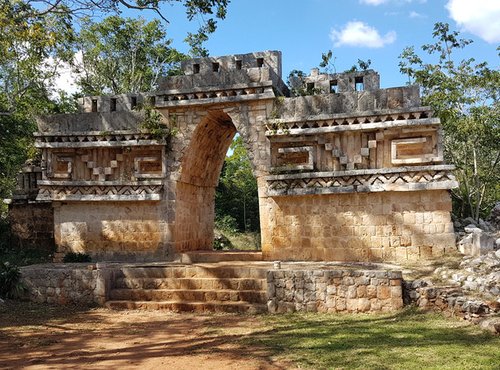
(123, 55)
(37, 35)
(205, 12)
(465, 96)
(236, 194)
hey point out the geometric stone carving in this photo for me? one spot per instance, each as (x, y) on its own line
(123, 192)
(148, 167)
(414, 151)
(63, 167)
(395, 179)
(295, 159)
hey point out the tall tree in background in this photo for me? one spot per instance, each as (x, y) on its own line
(236, 194)
(465, 96)
(121, 55)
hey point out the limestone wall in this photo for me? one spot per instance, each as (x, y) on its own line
(32, 225)
(194, 221)
(385, 226)
(132, 231)
(340, 290)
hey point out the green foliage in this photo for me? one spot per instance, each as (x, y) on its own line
(328, 62)
(73, 257)
(465, 96)
(154, 123)
(203, 12)
(227, 223)
(221, 242)
(361, 66)
(10, 284)
(296, 82)
(236, 196)
(123, 55)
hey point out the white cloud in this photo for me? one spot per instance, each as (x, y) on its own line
(380, 2)
(414, 14)
(356, 33)
(373, 2)
(479, 17)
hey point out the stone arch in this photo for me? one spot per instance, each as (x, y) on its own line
(200, 169)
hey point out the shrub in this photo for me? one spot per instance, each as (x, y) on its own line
(72, 257)
(10, 281)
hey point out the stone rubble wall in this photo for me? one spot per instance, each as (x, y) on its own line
(476, 274)
(83, 285)
(334, 291)
(452, 301)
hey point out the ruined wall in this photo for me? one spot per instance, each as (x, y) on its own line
(32, 225)
(387, 226)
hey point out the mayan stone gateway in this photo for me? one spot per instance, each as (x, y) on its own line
(350, 172)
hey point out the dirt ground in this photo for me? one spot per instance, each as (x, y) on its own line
(46, 337)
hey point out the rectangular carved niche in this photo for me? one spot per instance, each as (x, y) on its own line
(296, 158)
(415, 150)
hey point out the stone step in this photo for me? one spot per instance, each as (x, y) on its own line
(214, 306)
(188, 295)
(191, 283)
(192, 271)
(220, 256)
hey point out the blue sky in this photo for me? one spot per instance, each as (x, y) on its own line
(366, 29)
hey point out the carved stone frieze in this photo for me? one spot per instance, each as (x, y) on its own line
(397, 179)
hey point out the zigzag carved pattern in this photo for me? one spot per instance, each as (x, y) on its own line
(101, 190)
(362, 180)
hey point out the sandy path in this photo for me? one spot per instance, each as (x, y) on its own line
(44, 337)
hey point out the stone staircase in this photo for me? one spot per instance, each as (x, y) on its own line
(201, 287)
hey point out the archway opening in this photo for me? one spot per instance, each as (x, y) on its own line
(237, 221)
(195, 191)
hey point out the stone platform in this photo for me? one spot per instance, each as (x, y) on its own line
(220, 282)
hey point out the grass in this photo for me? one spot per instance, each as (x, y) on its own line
(245, 241)
(410, 339)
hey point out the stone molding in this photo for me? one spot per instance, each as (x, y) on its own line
(100, 191)
(348, 122)
(96, 139)
(393, 179)
(227, 94)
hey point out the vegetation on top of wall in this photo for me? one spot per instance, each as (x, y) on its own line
(74, 257)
